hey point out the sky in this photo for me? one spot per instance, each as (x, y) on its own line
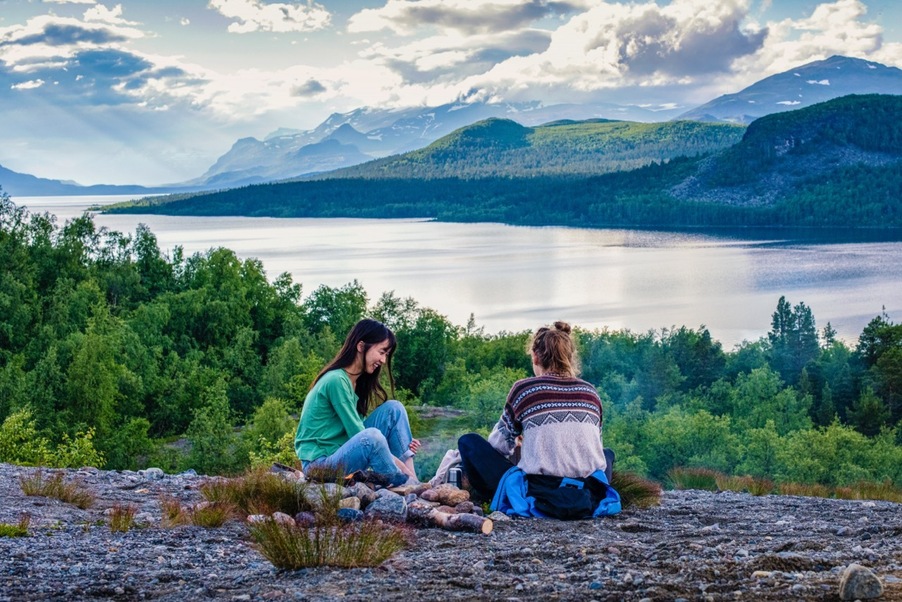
(154, 91)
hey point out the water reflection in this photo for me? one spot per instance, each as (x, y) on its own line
(514, 278)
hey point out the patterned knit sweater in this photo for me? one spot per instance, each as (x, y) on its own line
(560, 421)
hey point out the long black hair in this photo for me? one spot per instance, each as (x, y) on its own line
(369, 387)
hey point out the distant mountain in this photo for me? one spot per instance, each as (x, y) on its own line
(20, 184)
(801, 87)
(375, 133)
(837, 164)
(502, 147)
(785, 153)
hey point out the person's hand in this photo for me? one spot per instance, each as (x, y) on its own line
(414, 445)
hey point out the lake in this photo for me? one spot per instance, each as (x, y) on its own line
(517, 278)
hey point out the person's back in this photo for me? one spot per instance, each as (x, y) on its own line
(559, 418)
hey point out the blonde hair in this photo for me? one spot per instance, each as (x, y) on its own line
(554, 350)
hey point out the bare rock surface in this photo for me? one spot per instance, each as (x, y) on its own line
(696, 546)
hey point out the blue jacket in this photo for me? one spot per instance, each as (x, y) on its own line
(512, 499)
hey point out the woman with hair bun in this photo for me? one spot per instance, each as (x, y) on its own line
(553, 419)
(337, 431)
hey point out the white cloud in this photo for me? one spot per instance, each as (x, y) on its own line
(29, 85)
(463, 16)
(255, 15)
(69, 1)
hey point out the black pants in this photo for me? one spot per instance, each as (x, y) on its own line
(484, 466)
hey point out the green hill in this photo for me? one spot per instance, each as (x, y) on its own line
(504, 148)
(836, 164)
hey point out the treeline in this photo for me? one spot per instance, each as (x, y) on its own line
(114, 354)
(859, 196)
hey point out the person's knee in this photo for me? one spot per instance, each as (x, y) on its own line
(395, 407)
(468, 441)
(373, 438)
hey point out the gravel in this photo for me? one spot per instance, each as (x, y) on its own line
(696, 545)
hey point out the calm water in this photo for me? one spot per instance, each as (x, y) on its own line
(517, 278)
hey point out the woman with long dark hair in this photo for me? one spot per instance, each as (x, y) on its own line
(337, 431)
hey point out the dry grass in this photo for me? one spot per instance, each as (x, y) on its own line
(636, 491)
(803, 489)
(694, 478)
(19, 529)
(865, 490)
(54, 487)
(359, 544)
(122, 517)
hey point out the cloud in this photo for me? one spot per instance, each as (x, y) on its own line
(69, 1)
(255, 15)
(29, 85)
(462, 16)
(311, 87)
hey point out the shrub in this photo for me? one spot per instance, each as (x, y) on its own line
(20, 442)
(54, 487)
(122, 517)
(78, 451)
(359, 544)
(745, 483)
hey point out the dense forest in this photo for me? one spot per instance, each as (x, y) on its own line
(114, 354)
(837, 164)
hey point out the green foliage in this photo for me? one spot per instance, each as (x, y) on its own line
(211, 433)
(20, 442)
(77, 452)
(19, 529)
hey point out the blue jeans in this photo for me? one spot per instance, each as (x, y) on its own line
(387, 434)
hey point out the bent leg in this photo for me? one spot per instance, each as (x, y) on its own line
(366, 449)
(392, 421)
(482, 464)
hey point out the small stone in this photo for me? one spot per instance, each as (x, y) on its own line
(389, 508)
(859, 583)
(350, 502)
(362, 492)
(349, 515)
(595, 585)
(152, 474)
(464, 507)
(283, 519)
(742, 553)
(761, 574)
(305, 519)
(498, 517)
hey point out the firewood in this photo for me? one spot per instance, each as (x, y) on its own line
(425, 515)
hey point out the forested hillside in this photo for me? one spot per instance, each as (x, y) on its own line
(504, 148)
(113, 354)
(837, 164)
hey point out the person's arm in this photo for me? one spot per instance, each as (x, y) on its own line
(344, 402)
(505, 432)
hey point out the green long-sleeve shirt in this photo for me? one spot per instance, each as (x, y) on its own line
(329, 417)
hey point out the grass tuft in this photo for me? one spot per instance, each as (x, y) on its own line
(54, 487)
(211, 515)
(867, 490)
(19, 529)
(365, 543)
(694, 478)
(122, 517)
(258, 491)
(636, 491)
(173, 513)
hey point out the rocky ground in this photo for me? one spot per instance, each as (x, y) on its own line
(695, 546)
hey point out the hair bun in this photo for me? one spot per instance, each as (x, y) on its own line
(562, 326)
